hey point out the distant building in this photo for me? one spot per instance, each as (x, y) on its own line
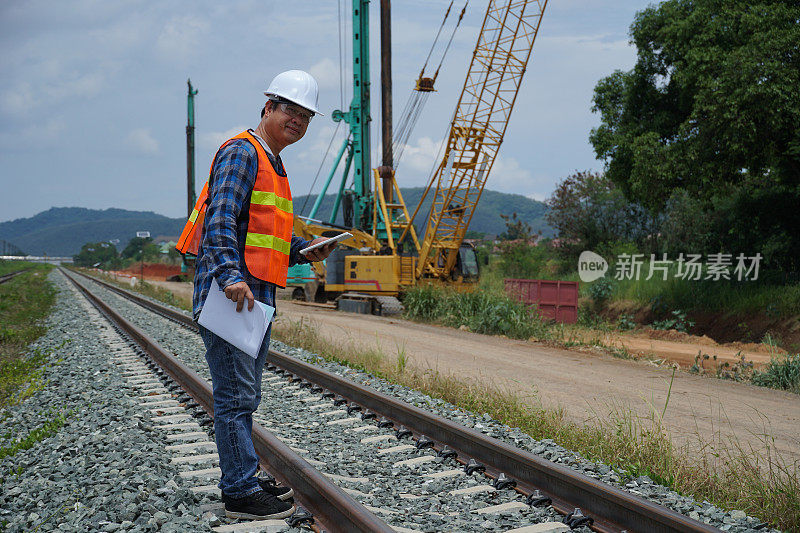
(166, 246)
(165, 238)
(533, 241)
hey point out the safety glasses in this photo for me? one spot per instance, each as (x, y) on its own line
(296, 112)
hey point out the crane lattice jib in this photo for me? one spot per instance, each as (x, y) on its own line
(479, 124)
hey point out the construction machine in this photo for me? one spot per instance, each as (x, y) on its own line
(385, 254)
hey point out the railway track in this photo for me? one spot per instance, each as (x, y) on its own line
(8, 277)
(515, 478)
(329, 505)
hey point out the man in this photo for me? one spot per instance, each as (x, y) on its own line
(247, 246)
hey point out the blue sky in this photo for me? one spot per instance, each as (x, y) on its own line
(93, 92)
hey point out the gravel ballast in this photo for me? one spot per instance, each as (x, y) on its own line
(105, 469)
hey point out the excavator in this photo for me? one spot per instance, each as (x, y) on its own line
(386, 255)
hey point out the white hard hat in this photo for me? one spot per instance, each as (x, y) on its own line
(298, 87)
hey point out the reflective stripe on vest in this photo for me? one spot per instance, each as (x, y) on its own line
(268, 241)
(270, 198)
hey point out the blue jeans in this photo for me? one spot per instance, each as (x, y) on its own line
(236, 383)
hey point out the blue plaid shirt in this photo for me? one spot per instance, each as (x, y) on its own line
(221, 251)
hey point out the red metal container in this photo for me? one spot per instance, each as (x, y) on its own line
(555, 300)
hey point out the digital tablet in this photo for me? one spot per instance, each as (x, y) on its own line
(338, 238)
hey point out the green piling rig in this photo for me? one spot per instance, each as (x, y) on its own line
(357, 143)
(190, 194)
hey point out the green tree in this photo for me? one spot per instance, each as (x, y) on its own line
(518, 257)
(710, 110)
(135, 247)
(102, 254)
(516, 229)
(743, 220)
(173, 256)
(714, 99)
(590, 213)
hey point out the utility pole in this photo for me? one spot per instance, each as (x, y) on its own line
(142, 235)
(386, 98)
(190, 194)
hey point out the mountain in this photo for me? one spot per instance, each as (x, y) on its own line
(61, 231)
(485, 220)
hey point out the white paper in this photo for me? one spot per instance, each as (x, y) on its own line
(244, 329)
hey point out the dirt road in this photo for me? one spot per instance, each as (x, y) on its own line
(586, 384)
(684, 353)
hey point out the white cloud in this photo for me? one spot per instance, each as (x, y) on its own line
(84, 86)
(18, 100)
(39, 133)
(539, 197)
(326, 73)
(97, 66)
(315, 142)
(50, 130)
(507, 175)
(211, 141)
(124, 35)
(180, 37)
(142, 141)
(420, 157)
(601, 42)
(24, 97)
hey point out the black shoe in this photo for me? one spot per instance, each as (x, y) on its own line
(270, 486)
(257, 506)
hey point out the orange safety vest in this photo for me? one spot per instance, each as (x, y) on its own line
(269, 227)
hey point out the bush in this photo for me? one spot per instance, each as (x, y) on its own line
(601, 290)
(610, 251)
(625, 322)
(421, 302)
(781, 373)
(678, 322)
(480, 311)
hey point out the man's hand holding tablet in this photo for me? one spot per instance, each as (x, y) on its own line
(321, 247)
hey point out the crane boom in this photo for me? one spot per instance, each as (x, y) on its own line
(477, 129)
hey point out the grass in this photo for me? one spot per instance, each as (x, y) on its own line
(24, 302)
(21, 377)
(148, 289)
(732, 298)
(721, 472)
(479, 311)
(724, 473)
(489, 311)
(772, 298)
(782, 372)
(55, 421)
(7, 267)
(163, 295)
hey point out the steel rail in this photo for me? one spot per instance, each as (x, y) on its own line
(612, 509)
(9, 277)
(332, 508)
